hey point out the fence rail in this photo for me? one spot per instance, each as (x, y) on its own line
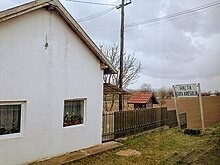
(122, 123)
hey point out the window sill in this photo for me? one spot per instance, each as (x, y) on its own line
(11, 136)
(74, 126)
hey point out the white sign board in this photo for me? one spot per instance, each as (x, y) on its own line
(186, 90)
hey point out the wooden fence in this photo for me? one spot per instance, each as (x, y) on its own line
(132, 122)
(119, 124)
(172, 120)
(108, 126)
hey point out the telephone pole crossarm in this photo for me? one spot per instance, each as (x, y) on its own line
(125, 4)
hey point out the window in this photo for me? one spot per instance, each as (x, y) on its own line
(73, 112)
(10, 118)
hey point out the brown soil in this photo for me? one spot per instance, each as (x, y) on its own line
(128, 152)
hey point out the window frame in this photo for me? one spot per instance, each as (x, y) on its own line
(23, 108)
(84, 112)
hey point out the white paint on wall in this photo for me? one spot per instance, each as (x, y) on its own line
(44, 76)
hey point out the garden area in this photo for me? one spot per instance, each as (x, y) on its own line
(163, 146)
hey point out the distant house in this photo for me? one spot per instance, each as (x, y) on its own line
(51, 84)
(142, 100)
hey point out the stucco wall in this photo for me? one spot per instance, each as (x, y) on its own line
(44, 78)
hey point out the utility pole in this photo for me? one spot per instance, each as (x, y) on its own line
(121, 51)
(121, 55)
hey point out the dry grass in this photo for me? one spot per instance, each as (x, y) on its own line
(160, 147)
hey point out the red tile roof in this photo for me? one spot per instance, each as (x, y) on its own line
(142, 98)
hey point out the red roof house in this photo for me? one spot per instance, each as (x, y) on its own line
(143, 100)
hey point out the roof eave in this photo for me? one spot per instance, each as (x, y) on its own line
(23, 9)
(109, 69)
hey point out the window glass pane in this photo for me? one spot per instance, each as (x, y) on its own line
(10, 119)
(73, 112)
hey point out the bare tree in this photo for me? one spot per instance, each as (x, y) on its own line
(217, 93)
(162, 96)
(145, 87)
(131, 67)
(204, 93)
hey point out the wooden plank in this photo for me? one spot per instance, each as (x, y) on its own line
(201, 108)
(176, 107)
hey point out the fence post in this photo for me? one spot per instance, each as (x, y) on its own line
(115, 125)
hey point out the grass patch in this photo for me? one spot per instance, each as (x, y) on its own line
(160, 147)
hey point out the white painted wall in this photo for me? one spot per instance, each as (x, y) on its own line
(45, 78)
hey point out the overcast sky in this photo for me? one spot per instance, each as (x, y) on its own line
(174, 51)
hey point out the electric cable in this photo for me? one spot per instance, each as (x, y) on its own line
(96, 15)
(92, 3)
(174, 15)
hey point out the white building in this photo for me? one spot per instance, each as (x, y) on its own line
(51, 84)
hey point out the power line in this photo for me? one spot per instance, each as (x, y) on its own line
(148, 25)
(150, 22)
(104, 30)
(96, 15)
(92, 3)
(174, 15)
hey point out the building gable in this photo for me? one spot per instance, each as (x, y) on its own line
(58, 7)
